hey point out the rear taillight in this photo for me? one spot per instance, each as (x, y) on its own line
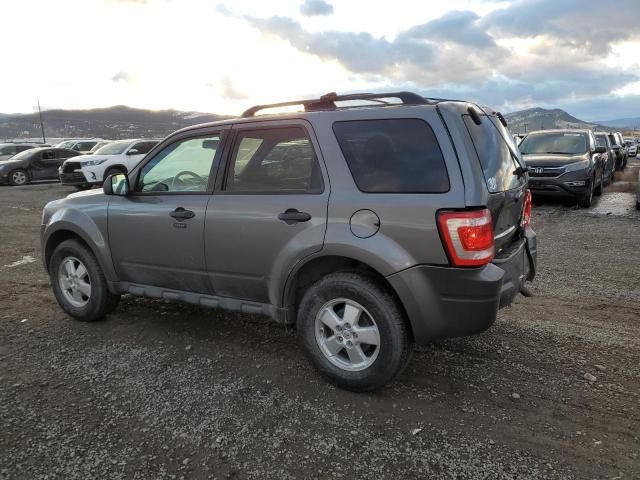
(526, 209)
(468, 237)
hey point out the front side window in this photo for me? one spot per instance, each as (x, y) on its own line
(393, 156)
(566, 143)
(49, 155)
(184, 166)
(276, 160)
(143, 147)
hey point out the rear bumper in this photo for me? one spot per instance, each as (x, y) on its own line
(446, 302)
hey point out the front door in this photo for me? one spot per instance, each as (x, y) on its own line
(156, 232)
(45, 165)
(269, 210)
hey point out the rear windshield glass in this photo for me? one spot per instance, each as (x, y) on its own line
(393, 156)
(496, 156)
(558, 143)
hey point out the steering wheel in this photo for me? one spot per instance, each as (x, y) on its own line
(198, 179)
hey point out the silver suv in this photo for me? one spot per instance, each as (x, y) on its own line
(371, 221)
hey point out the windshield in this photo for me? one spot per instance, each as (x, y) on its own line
(601, 140)
(115, 148)
(23, 154)
(559, 143)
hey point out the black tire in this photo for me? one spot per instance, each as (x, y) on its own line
(394, 332)
(100, 301)
(16, 177)
(113, 171)
(586, 200)
(598, 190)
(82, 187)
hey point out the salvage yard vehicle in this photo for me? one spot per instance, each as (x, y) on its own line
(566, 163)
(115, 157)
(632, 147)
(8, 150)
(602, 140)
(619, 149)
(372, 227)
(40, 163)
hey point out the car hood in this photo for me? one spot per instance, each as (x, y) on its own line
(552, 160)
(86, 193)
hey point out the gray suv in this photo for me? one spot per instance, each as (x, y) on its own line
(371, 221)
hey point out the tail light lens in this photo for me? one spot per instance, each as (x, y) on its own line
(526, 210)
(468, 237)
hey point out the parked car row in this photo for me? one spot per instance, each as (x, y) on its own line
(81, 163)
(572, 163)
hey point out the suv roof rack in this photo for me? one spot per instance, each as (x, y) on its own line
(327, 102)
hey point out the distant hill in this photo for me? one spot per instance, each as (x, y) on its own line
(110, 123)
(627, 123)
(543, 119)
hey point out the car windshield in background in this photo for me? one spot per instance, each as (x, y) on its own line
(554, 143)
(24, 154)
(601, 140)
(495, 154)
(115, 148)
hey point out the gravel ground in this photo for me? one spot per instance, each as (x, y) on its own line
(165, 390)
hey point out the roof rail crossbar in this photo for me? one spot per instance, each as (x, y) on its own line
(327, 102)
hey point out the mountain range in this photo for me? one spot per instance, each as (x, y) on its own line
(126, 122)
(109, 123)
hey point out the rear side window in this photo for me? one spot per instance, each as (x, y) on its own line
(393, 156)
(274, 160)
(498, 164)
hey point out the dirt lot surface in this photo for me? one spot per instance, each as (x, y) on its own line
(164, 390)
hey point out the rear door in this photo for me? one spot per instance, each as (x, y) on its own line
(269, 210)
(499, 158)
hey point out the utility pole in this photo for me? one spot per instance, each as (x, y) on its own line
(525, 127)
(44, 138)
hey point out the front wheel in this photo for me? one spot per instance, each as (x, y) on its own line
(18, 177)
(586, 200)
(598, 190)
(354, 331)
(78, 282)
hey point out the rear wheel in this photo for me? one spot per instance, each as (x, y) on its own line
(354, 331)
(78, 282)
(19, 177)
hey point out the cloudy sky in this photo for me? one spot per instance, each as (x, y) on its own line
(222, 56)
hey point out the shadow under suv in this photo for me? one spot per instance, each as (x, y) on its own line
(372, 227)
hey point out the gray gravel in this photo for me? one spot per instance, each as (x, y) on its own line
(165, 390)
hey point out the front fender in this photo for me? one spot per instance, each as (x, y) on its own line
(84, 226)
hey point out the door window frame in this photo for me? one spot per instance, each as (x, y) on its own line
(222, 132)
(233, 143)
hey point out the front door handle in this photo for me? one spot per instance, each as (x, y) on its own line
(291, 216)
(182, 214)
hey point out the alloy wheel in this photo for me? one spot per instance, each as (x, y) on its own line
(74, 282)
(347, 335)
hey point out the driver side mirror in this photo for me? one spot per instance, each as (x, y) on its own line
(117, 184)
(600, 150)
(133, 151)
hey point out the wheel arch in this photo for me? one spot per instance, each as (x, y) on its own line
(313, 269)
(117, 166)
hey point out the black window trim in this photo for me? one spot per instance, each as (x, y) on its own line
(444, 161)
(134, 175)
(221, 188)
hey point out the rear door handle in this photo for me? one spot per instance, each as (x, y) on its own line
(182, 214)
(291, 216)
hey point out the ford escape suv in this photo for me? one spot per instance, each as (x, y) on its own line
(372, 221)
